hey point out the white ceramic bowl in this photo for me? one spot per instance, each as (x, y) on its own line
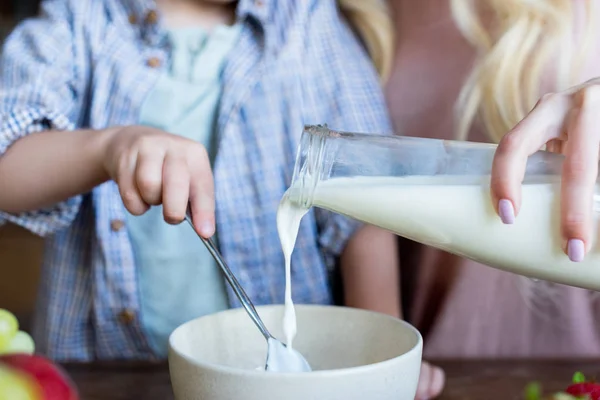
(356, 354)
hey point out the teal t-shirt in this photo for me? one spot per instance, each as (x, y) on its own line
(179, 280)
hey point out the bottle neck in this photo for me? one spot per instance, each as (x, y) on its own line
(309, 168)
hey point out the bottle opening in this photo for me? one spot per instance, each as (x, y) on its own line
(320, 130)
(309, 162)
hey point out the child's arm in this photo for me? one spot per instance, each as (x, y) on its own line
(46, 168)
(370, 275)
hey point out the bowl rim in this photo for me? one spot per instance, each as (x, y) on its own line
(417, 348)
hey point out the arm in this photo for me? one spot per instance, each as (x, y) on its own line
(370, 272)
(52, 167)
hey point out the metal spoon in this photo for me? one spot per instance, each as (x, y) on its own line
(280, 358)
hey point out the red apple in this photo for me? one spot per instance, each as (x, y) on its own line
(53, 382)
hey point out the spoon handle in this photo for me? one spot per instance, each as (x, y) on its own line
(235, 285)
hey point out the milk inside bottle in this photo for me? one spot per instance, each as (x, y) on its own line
(437, 193)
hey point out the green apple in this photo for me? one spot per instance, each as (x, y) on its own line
(9, 326)
(20, 343)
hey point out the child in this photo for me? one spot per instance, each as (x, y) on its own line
(88, 93)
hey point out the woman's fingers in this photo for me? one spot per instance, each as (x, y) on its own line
(568, 123)
(580, 171)
(175, 188)
(544, 122)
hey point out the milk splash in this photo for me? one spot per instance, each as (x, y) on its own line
(289, 216)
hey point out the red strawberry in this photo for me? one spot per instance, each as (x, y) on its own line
(591, 390)
(54, 383)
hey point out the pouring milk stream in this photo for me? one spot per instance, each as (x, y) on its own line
(288, 224)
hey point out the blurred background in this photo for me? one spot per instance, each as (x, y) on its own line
(20, 252)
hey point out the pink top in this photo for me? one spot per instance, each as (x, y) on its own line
(466, 309)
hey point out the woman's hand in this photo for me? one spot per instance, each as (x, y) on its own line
(431, 382)
(152, 167)
(568, 123)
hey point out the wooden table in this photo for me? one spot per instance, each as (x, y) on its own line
(476, 380)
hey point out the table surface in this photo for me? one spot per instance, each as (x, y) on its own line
(477, 380)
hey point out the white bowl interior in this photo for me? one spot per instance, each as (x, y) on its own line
(330, 338)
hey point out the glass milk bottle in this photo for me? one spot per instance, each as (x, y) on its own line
(437, 192)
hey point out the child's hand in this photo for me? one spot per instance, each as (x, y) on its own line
(152, 167)
(431, 382)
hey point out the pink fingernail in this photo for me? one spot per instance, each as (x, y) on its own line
(576, 250)
(506, 211)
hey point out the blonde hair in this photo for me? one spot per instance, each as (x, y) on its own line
(504, 84)
(372, 21)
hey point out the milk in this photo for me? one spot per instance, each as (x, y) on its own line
(455, 213)
(288, 223)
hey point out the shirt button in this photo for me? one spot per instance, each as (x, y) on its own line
(126, 316)
(153, 62)
(132, 19)
(116, 225)
(151, 17)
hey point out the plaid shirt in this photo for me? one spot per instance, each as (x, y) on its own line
(91, 64)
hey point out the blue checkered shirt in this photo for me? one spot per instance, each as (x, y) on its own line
(91, 64)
